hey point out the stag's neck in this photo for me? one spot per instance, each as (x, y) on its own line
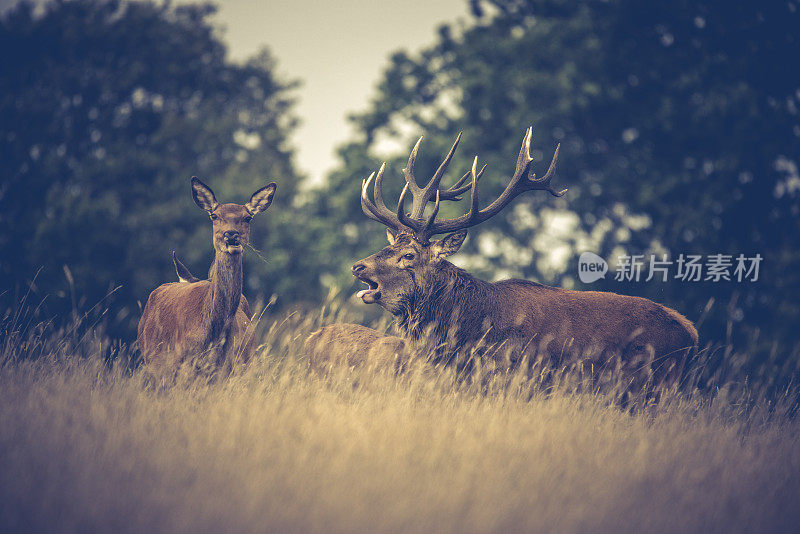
(222, 301)
(445, 305)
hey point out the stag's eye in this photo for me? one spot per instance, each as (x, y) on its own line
(408, 256)
(248, 219)
(214, 217)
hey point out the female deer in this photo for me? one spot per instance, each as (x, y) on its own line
(206, 318)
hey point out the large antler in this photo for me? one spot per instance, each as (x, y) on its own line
(421, 196)
(522, 180)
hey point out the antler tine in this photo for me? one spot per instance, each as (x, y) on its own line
(365, 202)
(523, 164)
(377, 191)
(474, 203)
(433, 185)
(408, 172)
(417, 193)
(458, 183)
(401, 212)
(380, 212)
(457, 188)
(432, 217)
(545, 180)
(524, 159)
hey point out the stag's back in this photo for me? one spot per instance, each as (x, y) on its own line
(594, 324)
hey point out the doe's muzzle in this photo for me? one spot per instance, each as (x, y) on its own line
(231, 237)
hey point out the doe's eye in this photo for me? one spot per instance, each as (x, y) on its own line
(214, 217)
(408, 256)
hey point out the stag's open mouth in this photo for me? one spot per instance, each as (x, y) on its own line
(371, 295)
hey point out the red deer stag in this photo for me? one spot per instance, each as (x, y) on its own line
(430, 297)
(206, 318)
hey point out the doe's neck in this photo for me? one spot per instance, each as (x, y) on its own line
(226, 291)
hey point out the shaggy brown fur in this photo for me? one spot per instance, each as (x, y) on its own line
(202, 319)
(431, 297)
(353, 345)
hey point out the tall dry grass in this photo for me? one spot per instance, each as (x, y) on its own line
(89, 443)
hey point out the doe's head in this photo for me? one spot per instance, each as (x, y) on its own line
(231, 222)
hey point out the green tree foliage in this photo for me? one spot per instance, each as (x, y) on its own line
(679, 128)
(107, 109)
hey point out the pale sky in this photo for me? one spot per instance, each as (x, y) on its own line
(337, 49)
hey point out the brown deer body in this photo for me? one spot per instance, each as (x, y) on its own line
(432, 298)
(353, 345)
(455, 309)
(210, 318)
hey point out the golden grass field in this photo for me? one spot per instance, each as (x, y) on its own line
(92, 446)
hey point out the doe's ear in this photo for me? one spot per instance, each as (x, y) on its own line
(261, 199)
(203, 195)
(391, 235)
(449, 245)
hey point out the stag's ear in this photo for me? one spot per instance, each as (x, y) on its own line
(261, 199)
(449, 245)
(391, 235)
(203, 195)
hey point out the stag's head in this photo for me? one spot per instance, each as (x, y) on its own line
(231, 222)
(399, 270)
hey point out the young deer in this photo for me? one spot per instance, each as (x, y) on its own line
(434, 300)
(208, 318)
(353, 345)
